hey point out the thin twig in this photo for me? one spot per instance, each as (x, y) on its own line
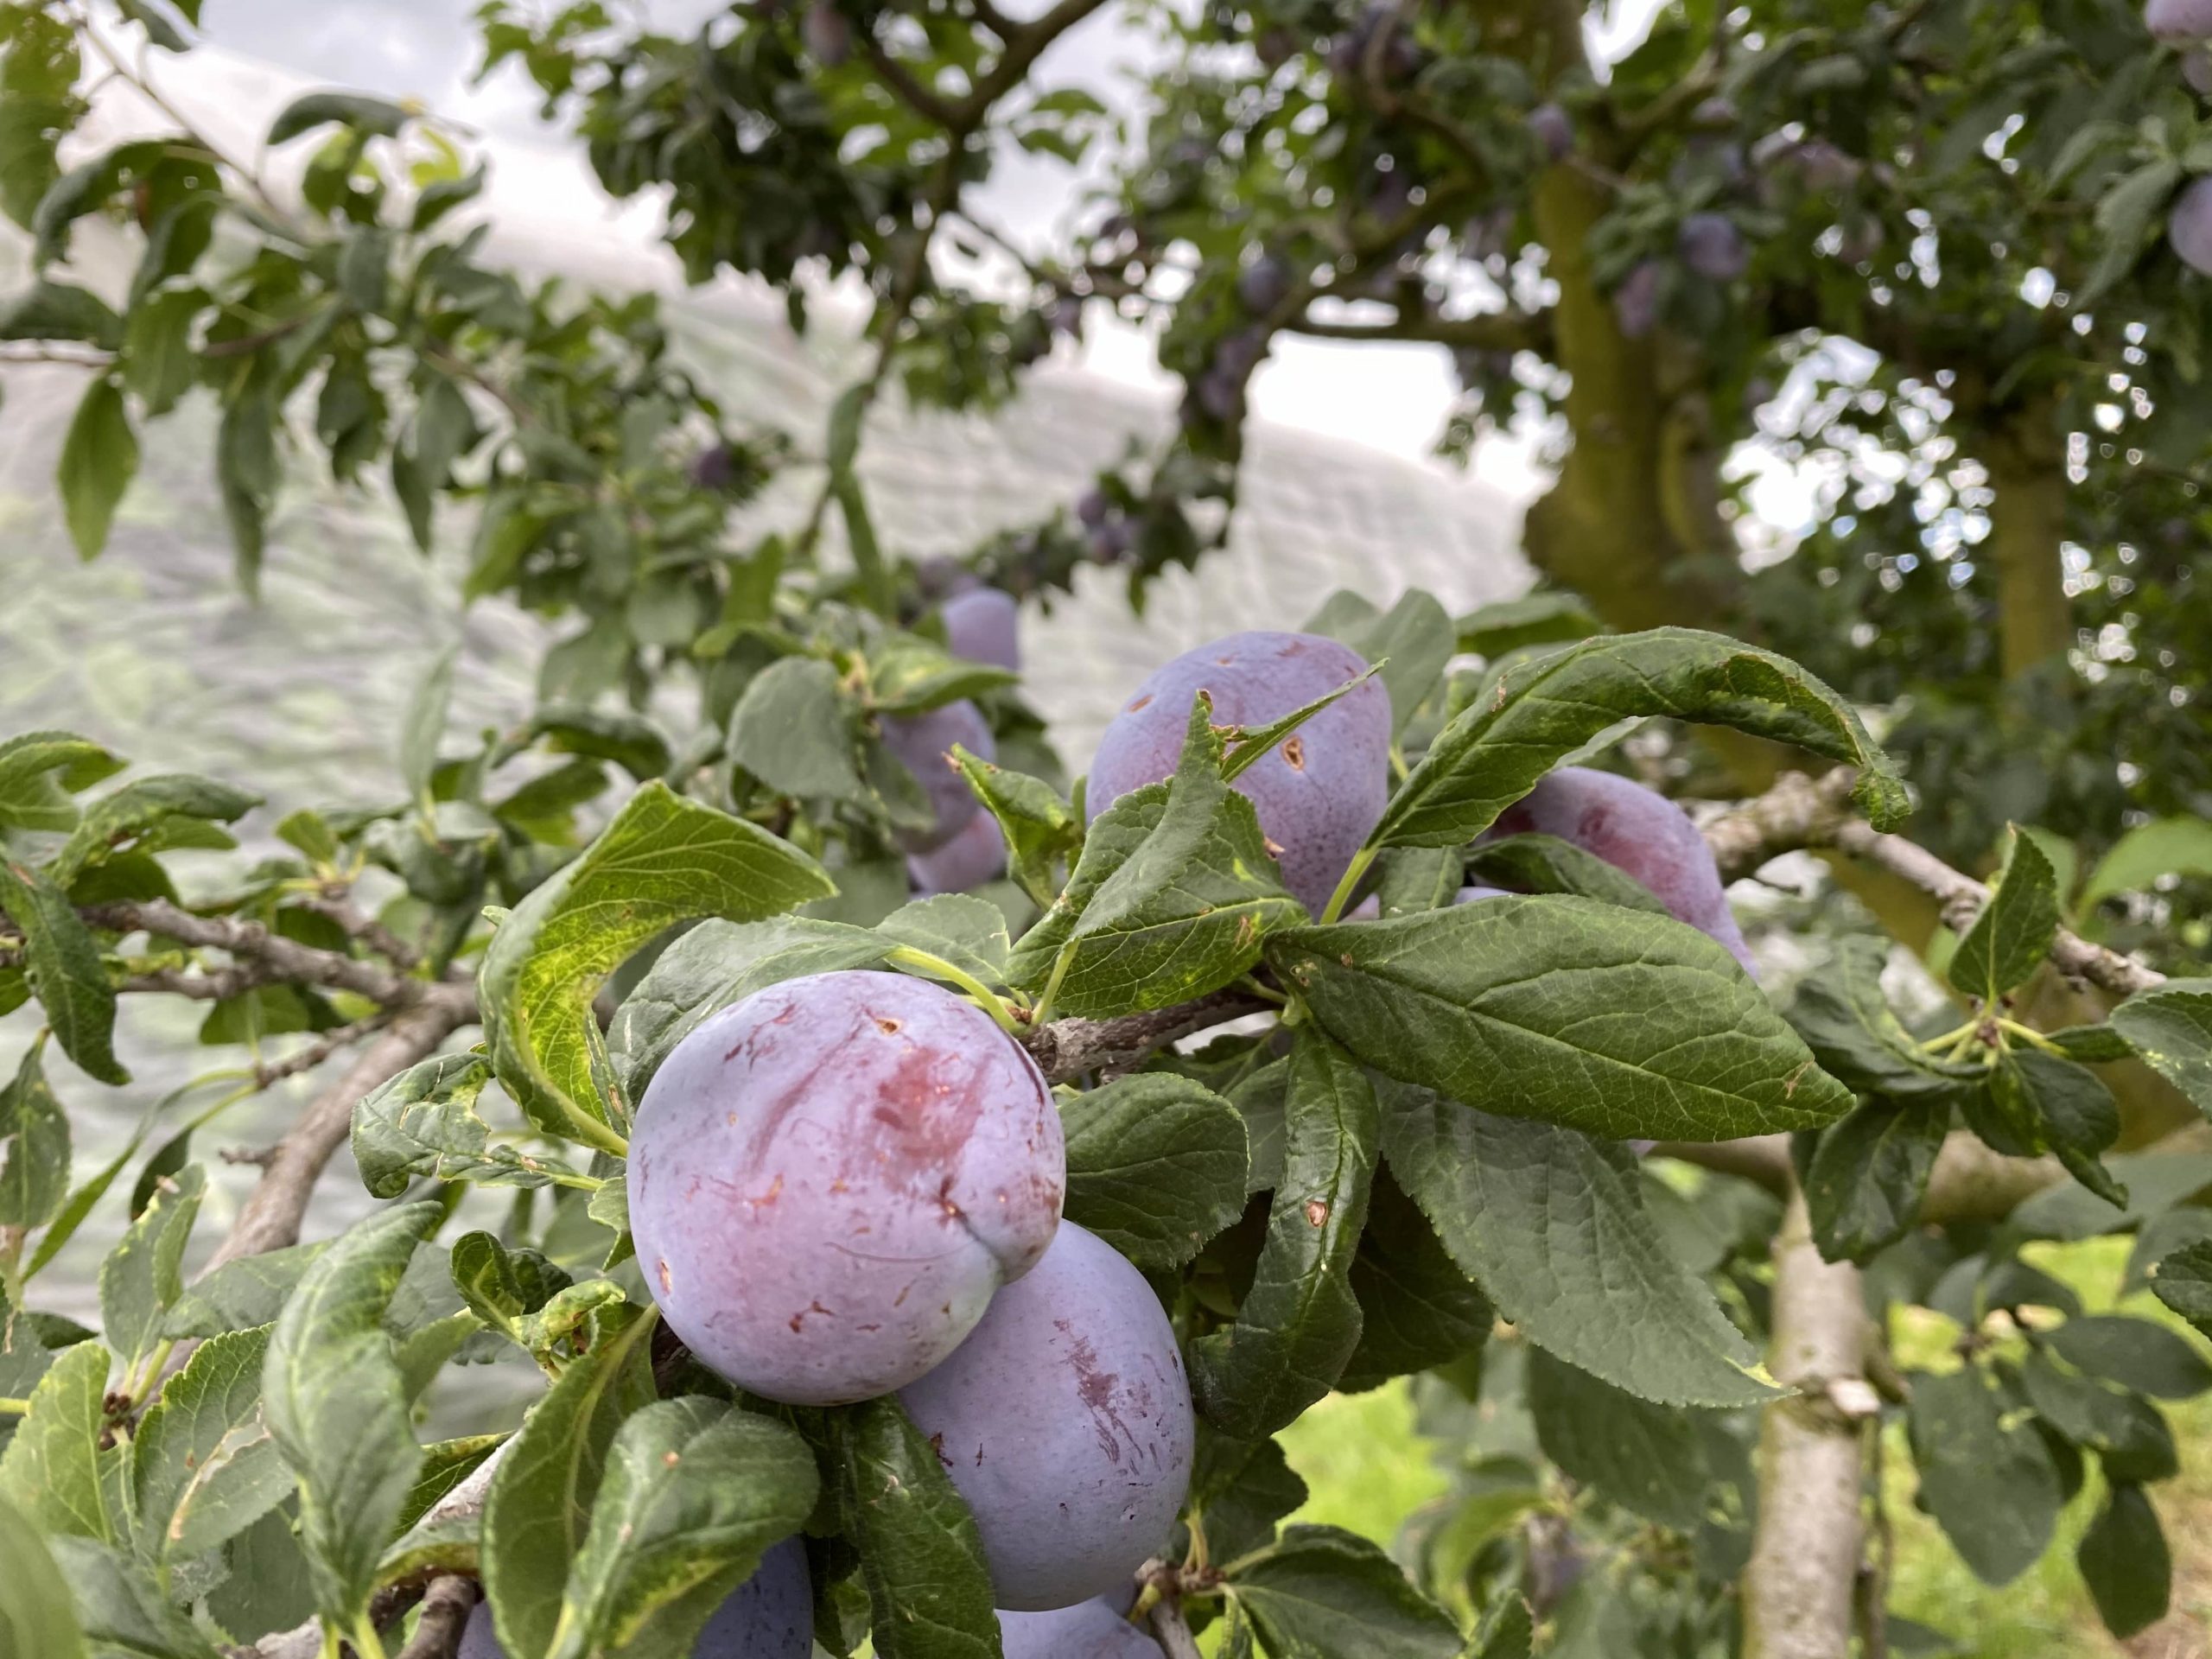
(446, 1607)
(1171, 1630)
(285, 959)
(361, 926)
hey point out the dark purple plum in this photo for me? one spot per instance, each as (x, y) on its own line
(1636, 302)
(1637, 830)
(974, 856)
(770, 1615)
(984, 626)
(1089, 1629)
(714, 468)
(923, 744)
(1553, 128)
(2190, 225)
(1711, 245)
(1065, 1422)
(1264, 284)
(1322, 789)
(1093, 508)
(2179, 20)
(831, 1178)
(827, 36)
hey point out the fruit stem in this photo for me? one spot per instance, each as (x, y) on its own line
(13, 1408)
(982, 994)
(1335, 908)
(1044, 1008)
(2030, 1035)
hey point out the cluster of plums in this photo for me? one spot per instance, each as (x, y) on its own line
(849, 1184)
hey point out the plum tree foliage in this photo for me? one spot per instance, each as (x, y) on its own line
(904, 1189)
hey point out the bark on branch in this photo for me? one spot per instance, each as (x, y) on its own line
(1065, 1049)
(281, 958)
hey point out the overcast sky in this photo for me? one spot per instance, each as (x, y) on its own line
(1390, 397)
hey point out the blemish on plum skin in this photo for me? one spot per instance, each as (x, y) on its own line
(1293, 752)
(667, 1280)
(1138, 704)
(889, 1027)
(1317, 1213)
(937, 1445)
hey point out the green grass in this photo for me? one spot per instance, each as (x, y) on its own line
(1367, 1470)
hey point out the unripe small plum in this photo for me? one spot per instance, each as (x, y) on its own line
(1553, 128)
(1321, 791)
(984, 626)
(2190, 225)
(2179, 20)
(1637, 830)
(830, 1180)
(1089, 1629)
(974, 856)
(770, 1615)
(923, 744)
(1711, 245)
(1065, 1422)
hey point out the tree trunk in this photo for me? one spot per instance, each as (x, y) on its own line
(1798, 1589)
(2027, 461)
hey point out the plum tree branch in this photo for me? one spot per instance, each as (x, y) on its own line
(446, 1607)
(281, 958)
(1493, 331)
(270, 1219)
(1065, 1049)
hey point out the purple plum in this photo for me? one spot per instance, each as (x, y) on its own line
(1065, 1422)
(770, 1615)
(1093, 508)
(1636, 302)
(1637, 830)
(2179, 20)
(1322, 789)
(974, 856)
(2190, 225)
(1553, 128)
(1711, 245)
(830, 1180)
(1263, 284)
(984, 626)
(1097, 1628)
(923, 744)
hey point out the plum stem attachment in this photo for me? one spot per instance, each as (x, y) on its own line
(982, 995)
(1334, 909)
(11, 1406)
(1043, 1011)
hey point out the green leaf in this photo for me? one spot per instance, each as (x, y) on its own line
(958, 928)
(1531, 619)
(247, 471)
(39, 771)
(631, 742)
(67, 975)
(2184, 1282)
(144, 1274)
(1646, 1458)
(423, 1123)
(1320, 1593)
(793, 730)
(1247, 746)
(206, 1466)
(1614, 1021)
(1299, 1323)
(538, 1510)
(1418, 1307)
(159, 362)
(2010, 937)
(2125, 1561)
(364, 114)
(920, 1554)
(1173, 898)
(1240, 1489)
(1040, 827)
(425, 725)
(2171, 1028)
(1156, 1166)
(159, 29)
(336, 1403)
(48, 310)
(148, 815)
(100, 457)
(1846, 1021)
(908, 675)
(37, 1620)
(1987, 1481)
(1868, 1177)
(1552, 1226)
(2124, 1429)
(2134, 1353)
(122, 1609)
(663, 860)
(1535, 863)
(241, 1294)
(2177, 846)
(1410, 642)
(35, 1131)
(1494, 753)
(694, 1491)
(718, 963)
(52, 1467)
(2074, 1113)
